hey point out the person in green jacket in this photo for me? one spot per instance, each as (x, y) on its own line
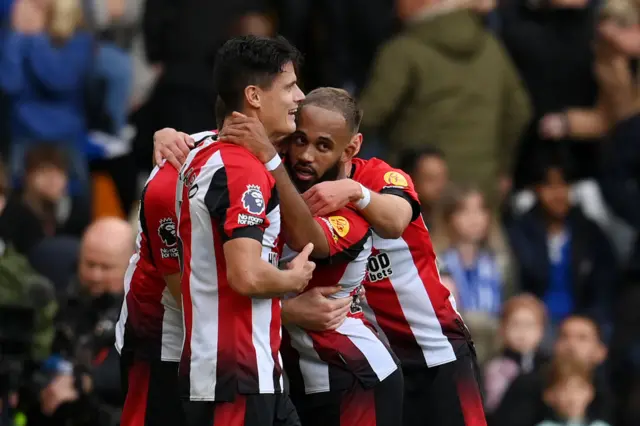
(446, 81)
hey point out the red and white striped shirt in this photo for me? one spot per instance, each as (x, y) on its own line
(329, 360)
(231, 341)
(150, 323)
(403, 290)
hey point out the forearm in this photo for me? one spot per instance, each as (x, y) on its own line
(299, 225)
(262, 279)
(388, 214)
(587, 123)
(173, 284)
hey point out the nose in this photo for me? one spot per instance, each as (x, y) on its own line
(298, 95)
(306, 156)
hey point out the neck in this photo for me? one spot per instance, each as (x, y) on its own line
(439, 8)
(554, 225)
(468, 252)
(345, 171)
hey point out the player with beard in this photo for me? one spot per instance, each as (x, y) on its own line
(345, 376)
(407, 300)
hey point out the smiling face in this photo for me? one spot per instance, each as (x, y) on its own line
(320, 147)
(278, 102)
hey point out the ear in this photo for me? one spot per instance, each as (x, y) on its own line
(353, 148)
(252, 96)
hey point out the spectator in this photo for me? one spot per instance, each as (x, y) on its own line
(45, 59)
(30, 214)
(90, 309)
(578, 338)
(446, 78)
(621, 186)
(568, 392)
(545, 39)
(430, 173)
(564, 258)
(522, 326)
(473, 265)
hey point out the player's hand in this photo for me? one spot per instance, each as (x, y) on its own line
(302, 269)
(171, 145)
(314, 310)
(327, 197)
(249, 133)
(554, 126)
(61, 389)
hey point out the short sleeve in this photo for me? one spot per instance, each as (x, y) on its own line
(380, 177)
(158, 218)
(239, 196)
(346, 233)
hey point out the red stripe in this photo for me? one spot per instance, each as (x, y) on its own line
(230, 413)
(275, 340)
(471, 401)
(185, 284)
(417, 238)
(228, 312)
(135, 405)
(358, 407)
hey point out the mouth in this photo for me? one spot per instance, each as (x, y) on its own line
(292, 112)
(304, 173)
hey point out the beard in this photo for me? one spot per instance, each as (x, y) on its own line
(331, 174)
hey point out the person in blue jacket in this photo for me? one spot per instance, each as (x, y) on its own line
(45, 60)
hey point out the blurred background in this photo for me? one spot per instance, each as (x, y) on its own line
(506, 115)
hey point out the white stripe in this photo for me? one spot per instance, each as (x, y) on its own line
(172, 329)
(376, 354)
(315, 372)
(131, 269)
(203, 283)
(415, 303)
(261, 312)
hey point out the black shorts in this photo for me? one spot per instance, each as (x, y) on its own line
(246, 410)
(357, 406)
(151, 389)
(446, 395)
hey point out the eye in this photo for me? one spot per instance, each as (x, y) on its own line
(323, 146)
(297, 139)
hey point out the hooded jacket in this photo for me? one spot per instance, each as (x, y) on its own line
(446, 81)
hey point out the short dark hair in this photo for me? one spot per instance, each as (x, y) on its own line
(552, 158)
(338, 100)
(250, 60)
(45, 155)
(409, 158)
(587, 318)
(221, 112)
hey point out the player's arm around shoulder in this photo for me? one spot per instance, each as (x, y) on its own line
(346, 232)
(388, 213)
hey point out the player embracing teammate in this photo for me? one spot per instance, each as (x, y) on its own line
(343, 366)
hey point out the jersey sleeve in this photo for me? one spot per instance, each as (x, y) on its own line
(380, 177)
(239, 194)
(158, 219)
(346, 232)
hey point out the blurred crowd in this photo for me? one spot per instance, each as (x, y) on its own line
(509, 117)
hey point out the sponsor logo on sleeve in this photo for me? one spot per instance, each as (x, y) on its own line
(252, 200)
(395, 179)
(167, 234)
(340, 226)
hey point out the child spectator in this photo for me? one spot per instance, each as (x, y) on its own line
(30, 214)
(473, 264)
(522, 327)
(568, 392)
(564, 258)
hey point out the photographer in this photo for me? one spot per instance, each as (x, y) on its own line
(82, 381)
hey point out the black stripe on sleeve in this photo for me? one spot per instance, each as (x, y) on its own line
(415, 205)
(217, 201)
(347, 255)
